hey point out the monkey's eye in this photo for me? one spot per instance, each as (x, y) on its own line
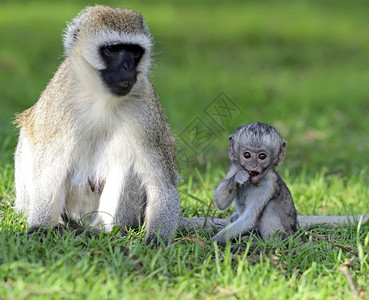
(247, 155)
(262, 156)
(109, 50)
(137, 51)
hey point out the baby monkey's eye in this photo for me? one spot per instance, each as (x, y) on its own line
(262, 156)
(247, 155)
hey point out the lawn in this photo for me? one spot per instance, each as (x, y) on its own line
(301, 66)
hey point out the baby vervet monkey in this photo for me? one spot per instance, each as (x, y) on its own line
(262, 199)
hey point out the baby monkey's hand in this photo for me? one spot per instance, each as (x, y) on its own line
(241, 177)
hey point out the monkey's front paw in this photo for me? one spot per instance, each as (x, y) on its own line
(220, 239)
(241, 177)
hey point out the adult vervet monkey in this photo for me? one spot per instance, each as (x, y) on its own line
(97, 142)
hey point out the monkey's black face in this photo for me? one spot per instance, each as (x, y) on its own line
(121, 62)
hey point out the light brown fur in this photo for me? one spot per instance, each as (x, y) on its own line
(82, 149)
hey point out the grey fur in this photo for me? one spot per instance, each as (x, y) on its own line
(263, 201)
(271, 204)
(86, 151)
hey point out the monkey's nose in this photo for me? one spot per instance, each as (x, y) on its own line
(125, 84)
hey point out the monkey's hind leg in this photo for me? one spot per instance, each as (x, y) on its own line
(39, 188)
(23, 174)
(273, 224)
(162, 212)
(46, 205)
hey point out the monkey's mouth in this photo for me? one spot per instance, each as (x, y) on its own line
(255, 176)
(122, 88)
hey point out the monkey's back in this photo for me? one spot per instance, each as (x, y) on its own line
(282, 202)
(41, 121)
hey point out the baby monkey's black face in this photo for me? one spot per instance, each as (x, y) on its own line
(121, 62)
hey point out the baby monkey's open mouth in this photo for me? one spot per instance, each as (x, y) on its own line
(255, 176)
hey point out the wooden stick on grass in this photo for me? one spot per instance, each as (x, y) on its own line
(342, 246)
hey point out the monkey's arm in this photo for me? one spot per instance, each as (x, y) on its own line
(256, 201)
(226, 190)
(224, 194)
(246, 221)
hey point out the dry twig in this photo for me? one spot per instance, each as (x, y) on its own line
(344, 268)
(342, 246)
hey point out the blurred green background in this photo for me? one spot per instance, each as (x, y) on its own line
(302, 66)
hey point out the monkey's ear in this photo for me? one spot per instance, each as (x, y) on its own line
(231, 151)
(71, 35)
(281, 153)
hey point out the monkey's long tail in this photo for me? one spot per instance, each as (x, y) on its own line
(208, 224)
(306, 221)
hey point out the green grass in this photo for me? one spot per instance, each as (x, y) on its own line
(301, 66)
